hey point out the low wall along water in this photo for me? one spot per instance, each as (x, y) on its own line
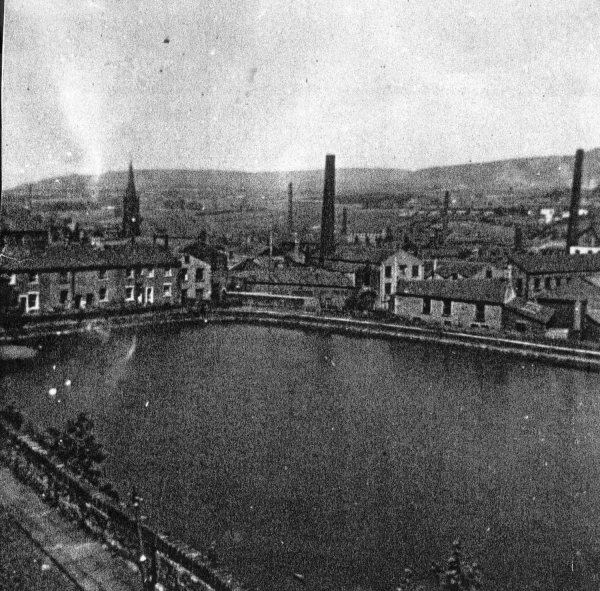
(173, 565)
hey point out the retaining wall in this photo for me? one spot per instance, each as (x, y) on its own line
(178, 567)
(587, 359)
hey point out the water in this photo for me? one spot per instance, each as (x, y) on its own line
(343, 459)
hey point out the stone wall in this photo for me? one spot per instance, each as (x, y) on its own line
(176, 566)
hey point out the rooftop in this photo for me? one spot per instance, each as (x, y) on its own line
(464, 268)
(368, 254)
(531, 310)
(59, 257)
(578, 289)
(297, 276)
(490, 291)
(543, 264)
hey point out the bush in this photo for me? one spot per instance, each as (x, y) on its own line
(12, 416)
(459, 574)
(78, 449)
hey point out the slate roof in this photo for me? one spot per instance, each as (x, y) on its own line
(358, 253)
(594, 316)
(203, 251)
(67, 257)
(308, 276)
(464, 268)
(489, 291)
(531, 310)
(578, 289)
(544, 264)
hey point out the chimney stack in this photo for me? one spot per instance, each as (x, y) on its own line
(290, 209)
(345, 221)
(328, 215)
(575, 199)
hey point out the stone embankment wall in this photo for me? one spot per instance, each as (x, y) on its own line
(587, 359)
(570, 354)
(177, 566)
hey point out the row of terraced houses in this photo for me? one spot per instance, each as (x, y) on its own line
(532, 294)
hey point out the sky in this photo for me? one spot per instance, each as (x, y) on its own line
(256, 85)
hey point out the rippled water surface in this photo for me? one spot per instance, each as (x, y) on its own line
(343, 459)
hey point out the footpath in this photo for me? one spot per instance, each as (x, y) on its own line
(41, 550)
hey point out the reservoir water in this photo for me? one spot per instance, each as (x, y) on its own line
(340, 458)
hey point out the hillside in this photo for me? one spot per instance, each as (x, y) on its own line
(518, 175)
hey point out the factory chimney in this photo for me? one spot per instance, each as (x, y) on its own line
(345, 221)
(290, 209)
(328, 216)
(575, 199)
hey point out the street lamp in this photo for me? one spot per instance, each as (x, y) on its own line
(147, 571)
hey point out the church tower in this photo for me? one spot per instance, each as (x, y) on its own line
(131, 208)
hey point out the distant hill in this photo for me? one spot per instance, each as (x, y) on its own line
(519, 175)
(524, 174)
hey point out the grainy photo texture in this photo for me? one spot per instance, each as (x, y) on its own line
(300, 295)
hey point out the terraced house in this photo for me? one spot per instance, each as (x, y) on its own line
(537, 273)
(60, 278)
(378, 269)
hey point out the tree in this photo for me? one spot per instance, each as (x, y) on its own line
(78, 449)
(459, 574)
(12, 416)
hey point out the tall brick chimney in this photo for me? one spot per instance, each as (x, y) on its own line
(291, 209)
(328, 217)
(575, 199)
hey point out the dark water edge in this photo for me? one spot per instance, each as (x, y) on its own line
(344, 459)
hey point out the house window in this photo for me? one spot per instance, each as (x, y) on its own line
(199, 275)
(426, 306)
(536, 283)
(519, 287)
(186, 259)
(168, 272)
(388, 288)
(149, 295)
(64, 296)
(150, 272)
(34, 278)
(63, 277)
(167, 290)
(488, 274)
(13, 279)
(33, 301)
(186, 276)
(388, 271)
(548, 283)
(89, 300)
(446, 307)
(102, 294)
(102, 274)
(130, 274)
(415, 271)
(479, 312)
(129, 294)
(558, 281)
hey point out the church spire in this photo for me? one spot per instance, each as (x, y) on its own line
(131, 207)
